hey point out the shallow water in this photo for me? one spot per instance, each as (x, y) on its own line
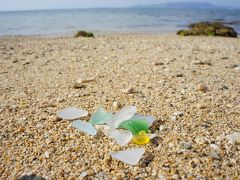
(120, 20)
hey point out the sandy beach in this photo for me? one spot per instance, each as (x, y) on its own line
(195, 78)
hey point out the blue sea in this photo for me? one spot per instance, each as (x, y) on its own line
(110, 20)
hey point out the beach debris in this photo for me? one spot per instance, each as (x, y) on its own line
(84, 127)
(233, 138)
(135, 125)
(31, 177)
(83, 174)
(202, 87)
(122, 137)
(129, 90)
(83, 34)
(147, 159)
(156, 141)
(71, 113)
(141, 138)
(100, 117)
(130, 156)
(185, 145)
(123, 115)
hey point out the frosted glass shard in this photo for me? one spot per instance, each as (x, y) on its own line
(123, 115)
(151, 136)
(233, 138)
(131, 156)
(135, 125)
(122, 137)
(149, 119)
(84, 127)
(71, 113)
(100, 117)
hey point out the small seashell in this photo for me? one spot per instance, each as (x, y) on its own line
(128, 90)
(85, 80)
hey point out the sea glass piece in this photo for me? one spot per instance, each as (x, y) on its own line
(100, 117)
(149, 119)
(84, 127)
(151, 136)
(71, 113)
(123, 115)
(135, 125)
(141, 138)
(122, 137)
(130, 156)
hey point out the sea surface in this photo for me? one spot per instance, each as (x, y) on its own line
(110, 20)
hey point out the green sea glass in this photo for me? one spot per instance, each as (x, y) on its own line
(135, 125)
(100, 117)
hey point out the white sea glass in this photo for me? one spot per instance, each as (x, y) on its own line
(71, 113)
(122, 137)
(84, 127)
(123, 115)
(149, 119)
(130, 156)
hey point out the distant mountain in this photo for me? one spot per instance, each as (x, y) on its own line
(183, 5)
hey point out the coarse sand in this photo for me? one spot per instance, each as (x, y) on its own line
(190, 84)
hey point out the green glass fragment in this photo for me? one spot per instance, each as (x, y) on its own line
(100, 117)
(135, 125)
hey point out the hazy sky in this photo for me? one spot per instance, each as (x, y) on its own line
(61, 4)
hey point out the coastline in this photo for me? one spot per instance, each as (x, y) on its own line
(37, 77)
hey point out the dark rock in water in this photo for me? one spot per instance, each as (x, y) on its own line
(83, 34)
(31, 177)
(208, 29)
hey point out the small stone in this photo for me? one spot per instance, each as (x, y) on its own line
(178, 113)
(47, 154)
(128, 90)
(233, 138)
(171, 144)
(79, 85)
(85, 80)
(173, 118)
(202, 87)
(162, 127)
(215, 147)
(31, 177)
(116, 105)
(158, 63)
(22, 120)
(214, 155)
(84, 174)
(203, 63)
(179, 75)
(185, 145)
(201, 106)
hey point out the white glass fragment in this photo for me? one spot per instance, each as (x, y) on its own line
(71, 113)
(123, 115)
(84, 127)
(122, 137)
(130, 156)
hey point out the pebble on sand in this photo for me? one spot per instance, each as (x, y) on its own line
(202, 87)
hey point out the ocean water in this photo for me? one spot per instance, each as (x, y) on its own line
(109, 20)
